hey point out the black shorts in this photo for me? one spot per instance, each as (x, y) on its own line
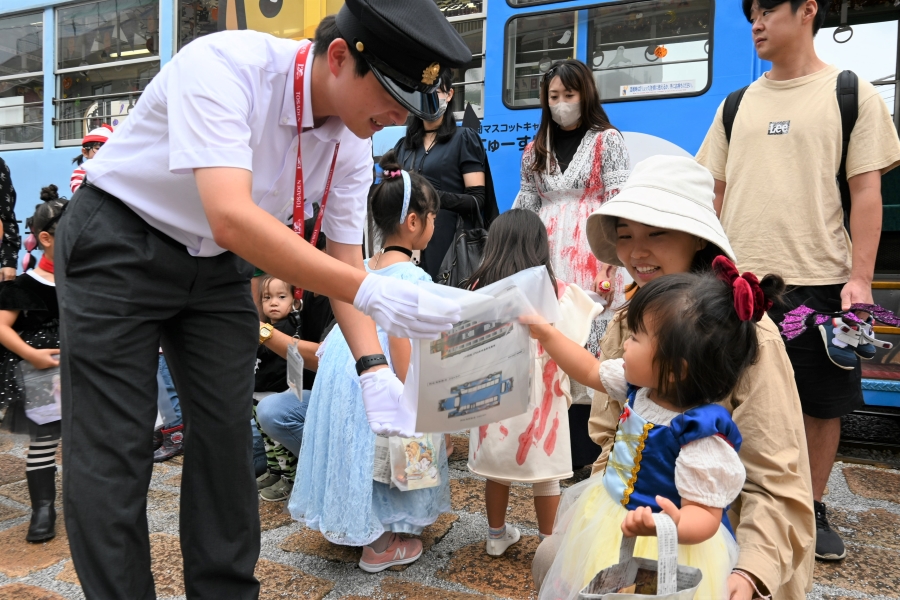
(826, 391)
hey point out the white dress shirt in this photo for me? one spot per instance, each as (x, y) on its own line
(226, 100)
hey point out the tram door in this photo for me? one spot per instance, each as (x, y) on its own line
(864, 39)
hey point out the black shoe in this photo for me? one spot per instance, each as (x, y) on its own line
(829, 545)
(42, 489)
(172, 446)
(157, 439)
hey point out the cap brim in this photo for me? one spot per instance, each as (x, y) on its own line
(656, 208)
(425, 106)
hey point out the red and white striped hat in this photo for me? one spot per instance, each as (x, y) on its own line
(101, 135)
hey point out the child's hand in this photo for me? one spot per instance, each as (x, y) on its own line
(537, 326)
(43, 359)
(640, 522)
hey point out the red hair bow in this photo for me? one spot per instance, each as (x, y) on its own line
(749, 300)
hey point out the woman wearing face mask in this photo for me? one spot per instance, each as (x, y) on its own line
(576, 162)
(453, 160)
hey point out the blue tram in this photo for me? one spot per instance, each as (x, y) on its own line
(477, 395)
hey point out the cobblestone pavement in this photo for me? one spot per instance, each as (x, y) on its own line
(298, 563)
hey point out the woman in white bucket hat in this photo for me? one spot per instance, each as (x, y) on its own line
(663, 222)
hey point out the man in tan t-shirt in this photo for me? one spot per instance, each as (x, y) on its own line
(779, 203)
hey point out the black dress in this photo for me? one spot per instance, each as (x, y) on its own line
(271, 369)
(444, 166)
(38, 326)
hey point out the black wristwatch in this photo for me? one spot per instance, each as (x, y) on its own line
(367, 362)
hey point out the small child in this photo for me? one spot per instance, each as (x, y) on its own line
(29, 330)
(276, 298)
(534, 447)
(90, 145)
(335, 492)
(693, 335)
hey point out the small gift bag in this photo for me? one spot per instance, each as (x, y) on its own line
(642, 578)
(43, 392)
(414, 462)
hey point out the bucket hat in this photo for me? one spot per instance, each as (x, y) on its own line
(671, 192)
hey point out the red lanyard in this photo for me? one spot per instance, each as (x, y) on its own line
(299, 215)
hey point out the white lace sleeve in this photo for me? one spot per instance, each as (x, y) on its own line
(615, 163)
(612, 375)
(709, 472)
(528, 197)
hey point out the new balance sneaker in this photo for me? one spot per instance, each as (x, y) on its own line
(267, 479)
(278, 491)
(840, 343)
(401, 551)
(829, 545)
(498, 546)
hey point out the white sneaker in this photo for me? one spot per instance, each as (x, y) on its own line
(498, 546)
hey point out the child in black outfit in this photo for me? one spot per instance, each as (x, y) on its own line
(29, 330)
(276, 298)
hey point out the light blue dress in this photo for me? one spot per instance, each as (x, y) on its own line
(334, 492)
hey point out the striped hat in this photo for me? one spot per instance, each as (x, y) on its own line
(101, 135)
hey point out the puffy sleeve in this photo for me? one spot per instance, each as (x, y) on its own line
(709, 472)
(528, 197)
(614, 163)
(612, 374)
(16, 297)
(471, 152)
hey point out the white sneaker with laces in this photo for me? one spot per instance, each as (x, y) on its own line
(498, 546)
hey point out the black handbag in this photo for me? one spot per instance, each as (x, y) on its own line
(465, 253)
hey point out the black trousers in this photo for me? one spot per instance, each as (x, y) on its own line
(125, 289)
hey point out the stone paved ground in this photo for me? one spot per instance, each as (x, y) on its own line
(298, 563)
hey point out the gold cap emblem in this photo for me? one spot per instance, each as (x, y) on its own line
(431, 73)
(360, 47)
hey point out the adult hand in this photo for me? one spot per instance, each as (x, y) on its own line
(857, 291)
(7, 273)
(395, 305)
(739, 588)
(44, 359)
(381, 392)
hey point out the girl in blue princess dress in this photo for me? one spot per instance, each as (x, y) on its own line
(334, 491)
(675, 449)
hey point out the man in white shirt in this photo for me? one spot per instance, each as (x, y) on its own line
(154, 249)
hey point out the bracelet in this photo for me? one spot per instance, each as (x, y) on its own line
(371, 360)
(752, 583)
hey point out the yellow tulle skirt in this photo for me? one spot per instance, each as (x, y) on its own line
(589, 522)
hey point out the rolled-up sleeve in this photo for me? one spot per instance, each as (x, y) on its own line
(773, 516)
(209, 102)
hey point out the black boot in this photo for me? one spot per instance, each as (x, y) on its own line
(42, 488)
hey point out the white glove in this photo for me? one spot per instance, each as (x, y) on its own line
(394, 305)
(382, 393)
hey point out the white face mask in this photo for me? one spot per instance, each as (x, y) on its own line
(565, 114)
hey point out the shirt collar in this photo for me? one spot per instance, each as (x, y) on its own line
(331, 130)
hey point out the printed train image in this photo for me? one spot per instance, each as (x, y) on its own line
(466, 335)
(474, 396)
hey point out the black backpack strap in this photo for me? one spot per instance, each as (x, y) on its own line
(848, 103)
(729, 111)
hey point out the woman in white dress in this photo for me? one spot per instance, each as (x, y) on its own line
(576, 162)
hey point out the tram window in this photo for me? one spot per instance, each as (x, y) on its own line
(21, 81)
(468, 80)
(638, 50)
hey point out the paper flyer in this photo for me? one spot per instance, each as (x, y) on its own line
(480, 371)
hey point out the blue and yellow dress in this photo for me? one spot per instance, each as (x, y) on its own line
(690, 455)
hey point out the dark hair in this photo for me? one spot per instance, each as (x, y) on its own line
(327, 32)
(80, 158)
(415, 127)
(47, 215)
(516, 241)
(817, 23)
(702, 347)
(574, 75)
(704, 257)
(386, 197)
